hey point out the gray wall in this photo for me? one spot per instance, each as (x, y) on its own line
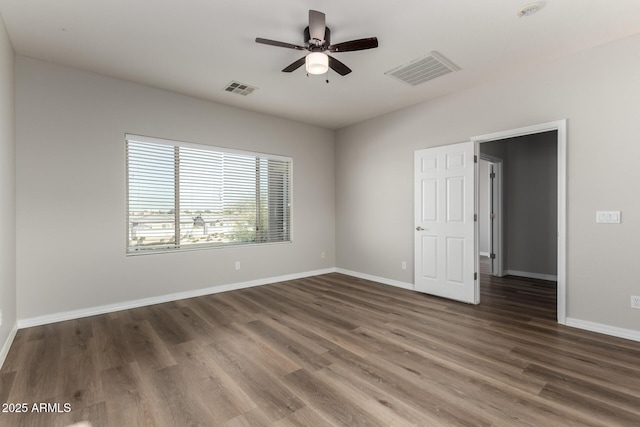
(7, 189)
(596, 90)
(70, 182)
(71, 191)
(530, 190)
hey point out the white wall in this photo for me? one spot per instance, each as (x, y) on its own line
(7, 192)
(597, 91)
(71, 191)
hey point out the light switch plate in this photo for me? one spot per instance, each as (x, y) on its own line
(608, 217)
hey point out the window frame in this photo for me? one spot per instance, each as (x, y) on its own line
(129, 251)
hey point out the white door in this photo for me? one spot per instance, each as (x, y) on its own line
(445, 235)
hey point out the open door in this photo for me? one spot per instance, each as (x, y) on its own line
(445, 235)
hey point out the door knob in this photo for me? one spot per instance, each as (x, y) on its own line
(418, 228)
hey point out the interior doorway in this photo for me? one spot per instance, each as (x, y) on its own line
(490, 212)
(531, 250)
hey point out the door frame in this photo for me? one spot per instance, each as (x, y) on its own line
(495, 202)
(561, 127)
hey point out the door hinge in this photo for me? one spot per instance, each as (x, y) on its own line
(475, 217)
(475, 276)
(492, 256)
(492, 216)
(475, 159)
(492, 175)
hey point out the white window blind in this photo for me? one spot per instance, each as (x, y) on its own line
(187, 196)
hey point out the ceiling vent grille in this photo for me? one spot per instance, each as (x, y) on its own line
(423, 69)
(240, 88)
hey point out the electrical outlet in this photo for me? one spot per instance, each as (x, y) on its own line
(635, 301)
(237, 265)
(323, 255)
(403, 265)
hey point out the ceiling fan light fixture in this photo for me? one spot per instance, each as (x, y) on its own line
(317, 63)
(317, 40)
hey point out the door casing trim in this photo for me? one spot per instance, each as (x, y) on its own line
(561, 127)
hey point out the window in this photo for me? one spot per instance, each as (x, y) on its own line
(188, 196)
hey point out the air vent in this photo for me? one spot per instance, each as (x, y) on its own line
(240, 88)
(423, 69)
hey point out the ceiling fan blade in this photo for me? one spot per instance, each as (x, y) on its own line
(279, 44)
(338, 66)
(317, 25)
(350, 46)
(295, 65)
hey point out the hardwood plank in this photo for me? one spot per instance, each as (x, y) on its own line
(622, 378)
(289, 345)
(234, 310)
(328, 350)
(374, 402)
(41, 380)
(586, 389)
(79, 385)
(298, 335)
(332, 402)
(263, 386)
(184, 404)
(149, 350)
(189, 319)
(504, 368)
(211, 382)
(128, 403)
(596, 409)
(168, 330)
(302, 418)
(339, 373)
(112, 349)
(6, 383)
(399, 381)
(253, 418)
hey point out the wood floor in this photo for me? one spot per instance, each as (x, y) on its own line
(327, 351)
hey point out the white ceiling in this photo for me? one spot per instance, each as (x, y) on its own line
(197, 47)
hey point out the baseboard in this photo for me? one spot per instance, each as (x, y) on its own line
(614, 331)
(529, 275)
(629, 334)
(126, 305)
(382, 280)
(7, 344)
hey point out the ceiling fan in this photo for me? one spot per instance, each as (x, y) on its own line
(317, 40)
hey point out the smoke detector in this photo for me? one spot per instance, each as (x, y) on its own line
(529, 9)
